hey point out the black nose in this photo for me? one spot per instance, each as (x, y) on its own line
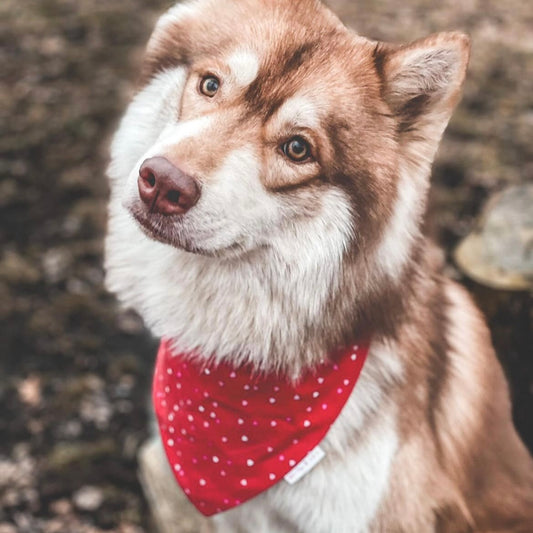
(165, 189)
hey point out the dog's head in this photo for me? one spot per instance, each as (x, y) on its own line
(260, 122)
(269, 178)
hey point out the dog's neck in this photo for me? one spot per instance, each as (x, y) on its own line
(277, 314)
(279, 307)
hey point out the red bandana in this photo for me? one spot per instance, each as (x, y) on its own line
(229, 433)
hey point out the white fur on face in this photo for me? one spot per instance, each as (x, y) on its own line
(234, 208)
(151, 111)
(175, 133)
(298, 111)
(244, 66)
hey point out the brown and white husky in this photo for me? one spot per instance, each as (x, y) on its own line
(269, 181)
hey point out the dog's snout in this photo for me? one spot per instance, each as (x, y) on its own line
(165, 189)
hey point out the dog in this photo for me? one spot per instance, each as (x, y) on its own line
(268, 186)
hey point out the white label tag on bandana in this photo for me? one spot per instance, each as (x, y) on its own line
(305, 465)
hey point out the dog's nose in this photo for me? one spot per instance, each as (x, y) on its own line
(165, 189)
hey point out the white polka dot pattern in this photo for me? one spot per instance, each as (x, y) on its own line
(230, 434)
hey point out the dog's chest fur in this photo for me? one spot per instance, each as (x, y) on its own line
(360, 447)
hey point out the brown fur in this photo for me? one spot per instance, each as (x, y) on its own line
(458, 413)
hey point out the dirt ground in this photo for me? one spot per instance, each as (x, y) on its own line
(74, 369)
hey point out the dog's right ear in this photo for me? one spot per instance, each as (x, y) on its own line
(172, 42)
(421, 85)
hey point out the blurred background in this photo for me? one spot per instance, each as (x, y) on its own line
(75, 370)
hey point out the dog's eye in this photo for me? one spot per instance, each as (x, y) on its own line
(297, 149)
(209, 86)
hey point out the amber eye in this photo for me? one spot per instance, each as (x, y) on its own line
(297, 149)
(209, 86)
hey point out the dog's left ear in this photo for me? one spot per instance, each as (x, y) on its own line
(175, 37)
(422, 83)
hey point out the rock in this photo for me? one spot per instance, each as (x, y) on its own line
(16, 269)
(499, 251)
(61, 507)
(56, 263)
(88, 498)
(29, 391)
(129, 528)
(129, 322)
(70, 429)
(96, 408)
(17, 478)
(66, 456)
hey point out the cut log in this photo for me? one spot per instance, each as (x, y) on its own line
(499, 251)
